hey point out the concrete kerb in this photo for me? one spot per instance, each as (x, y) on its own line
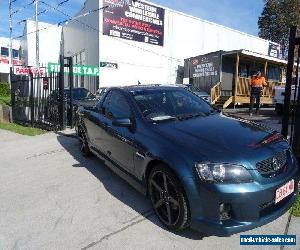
(5, 113)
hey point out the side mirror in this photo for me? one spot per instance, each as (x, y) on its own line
(102, 110)
(125, 122)
(92, 96)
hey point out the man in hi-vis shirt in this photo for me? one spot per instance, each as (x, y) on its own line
(258, 82)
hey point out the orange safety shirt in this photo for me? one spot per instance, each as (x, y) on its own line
(258, 82)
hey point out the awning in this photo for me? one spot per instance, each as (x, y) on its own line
(256, 55)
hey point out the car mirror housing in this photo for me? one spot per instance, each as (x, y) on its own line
(92, 96)
(124, 122)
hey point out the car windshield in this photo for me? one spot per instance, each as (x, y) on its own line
(198, 91)
(101, 92)
(170, 104)
(78, 94)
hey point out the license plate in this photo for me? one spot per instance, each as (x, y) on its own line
(284, 191)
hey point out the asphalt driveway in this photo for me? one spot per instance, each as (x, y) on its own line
(53, 198)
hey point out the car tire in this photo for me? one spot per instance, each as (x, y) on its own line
(168, 198)
(279, 109)
(84, 146)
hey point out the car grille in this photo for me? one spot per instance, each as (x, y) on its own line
(272, 165)
(270, 207)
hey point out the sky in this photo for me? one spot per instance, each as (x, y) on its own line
(241, 15)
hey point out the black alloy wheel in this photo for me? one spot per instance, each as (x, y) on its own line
(84, 146)
(168, 199)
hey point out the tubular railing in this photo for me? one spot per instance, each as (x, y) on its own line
(244, 87)
(215, 93)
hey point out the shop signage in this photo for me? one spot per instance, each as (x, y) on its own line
(21, 70)
(81, 70)
(205, 66)
(4, 59)
(274, 50)
(45, 83)
(108, 65)
(204, 70)
(134, 20)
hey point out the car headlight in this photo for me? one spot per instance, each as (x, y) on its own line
(223, 173)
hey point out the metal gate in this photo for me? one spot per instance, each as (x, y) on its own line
(35, 100)
(292, 81)
(47, 101)
(40, 101)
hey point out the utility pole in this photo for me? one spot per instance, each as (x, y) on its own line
(37, 38)
(288, 85)
(10, 38)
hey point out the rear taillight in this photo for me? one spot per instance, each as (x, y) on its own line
(273, 92)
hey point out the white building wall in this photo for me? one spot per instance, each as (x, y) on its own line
(4, 62)
(49, 43)
(78, 37)
(81, 42)
(138, 62)
(184, 36)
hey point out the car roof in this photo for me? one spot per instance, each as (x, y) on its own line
(202, 92)
(75, 88)
(147, 87)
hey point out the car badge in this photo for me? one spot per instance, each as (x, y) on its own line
(275, 164)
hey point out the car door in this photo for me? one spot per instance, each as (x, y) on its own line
(96, 124)
(119, 141)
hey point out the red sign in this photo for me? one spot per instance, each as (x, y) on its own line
(21, 70)
(195, 61)
(17, 62)
(134, 20)
(4, 60)
(45, 83)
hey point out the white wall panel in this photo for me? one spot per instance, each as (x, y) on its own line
(49, 43)
(184, 36)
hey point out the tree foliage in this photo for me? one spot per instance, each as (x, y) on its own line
(276, 19)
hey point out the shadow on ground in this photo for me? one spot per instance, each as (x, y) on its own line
(264, 114)
(117, 186)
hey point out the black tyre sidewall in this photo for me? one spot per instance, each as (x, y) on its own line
(83, 140)
(184, 216)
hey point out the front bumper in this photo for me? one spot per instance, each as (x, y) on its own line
(252, 205)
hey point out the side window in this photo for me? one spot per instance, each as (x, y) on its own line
(106, 101)
(118, 107)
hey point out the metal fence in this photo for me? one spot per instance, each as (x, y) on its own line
(292, 79)
(35, 100)
(47, 101)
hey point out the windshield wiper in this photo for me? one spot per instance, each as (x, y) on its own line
(212, 111)
(189, 116)
(163, 118)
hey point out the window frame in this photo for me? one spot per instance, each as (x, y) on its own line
(140, 112)
(7, 51)
(271, 72)
(106, 103)
(15, 51)
(245, 66)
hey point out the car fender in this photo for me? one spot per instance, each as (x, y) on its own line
(163, 152)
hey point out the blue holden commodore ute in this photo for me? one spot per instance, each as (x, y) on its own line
(201, 169)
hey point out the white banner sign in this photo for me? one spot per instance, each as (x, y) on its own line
(21, 70)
